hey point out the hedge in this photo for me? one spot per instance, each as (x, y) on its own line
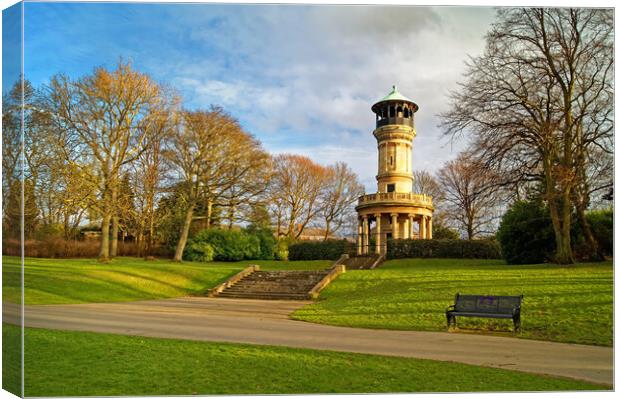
(480, 249)
(225, 245)
(317, 250)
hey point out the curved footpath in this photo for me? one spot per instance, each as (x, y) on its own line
(267, 323)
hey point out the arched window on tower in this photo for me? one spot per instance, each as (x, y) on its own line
(392, 111)
(399, 112)
(406, 113)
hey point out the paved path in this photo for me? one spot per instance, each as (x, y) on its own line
(267, 323)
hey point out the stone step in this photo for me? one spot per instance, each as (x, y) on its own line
(294, 284)
(281, 290)
(263, 295)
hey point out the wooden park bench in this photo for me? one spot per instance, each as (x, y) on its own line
(500, 307)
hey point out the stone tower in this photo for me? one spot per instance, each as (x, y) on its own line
(394, 209)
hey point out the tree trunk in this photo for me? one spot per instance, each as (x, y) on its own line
(104, 251)
(149, 242)
(178, 255)
(559, 208)
(231, 215)
(209, 211)
(327, 225)
(594, 252)
(561, 228)
(114, 237)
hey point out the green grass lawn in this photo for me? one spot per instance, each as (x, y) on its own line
(561, 303)
(49, 281)
(60, 363)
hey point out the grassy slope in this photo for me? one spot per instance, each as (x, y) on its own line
(561, 303)
(124, 279)
(60, 363)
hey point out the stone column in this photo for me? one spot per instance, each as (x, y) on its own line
(366, 234)
(378, 233)
(430, 228)
(411, 226)
(406, 229)
(394, 225)
(359, 237)
(422, 224)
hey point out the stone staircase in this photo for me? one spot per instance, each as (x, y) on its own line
(360, 262)
(274, 285)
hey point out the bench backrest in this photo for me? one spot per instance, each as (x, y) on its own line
(486, 304)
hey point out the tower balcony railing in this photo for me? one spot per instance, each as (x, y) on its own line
(395, 121)
(395, 197)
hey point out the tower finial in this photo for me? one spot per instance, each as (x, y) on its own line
(393, 87)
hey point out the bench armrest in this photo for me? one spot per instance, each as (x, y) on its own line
(449, 308)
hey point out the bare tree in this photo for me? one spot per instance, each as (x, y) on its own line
(207, 158)
(426, 183)
(340, 192)
(147, 174)
(295, 193)
(105, 117)
(12, 161)
(472, 195)
(545, 74)
(249, 179)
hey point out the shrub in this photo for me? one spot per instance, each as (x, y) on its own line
(228, 245)
(267, 242)
(281, 249)
(231, 245)
(602, 224)
(200, 251)
(317, 250)
(480, 249)
(526, 233)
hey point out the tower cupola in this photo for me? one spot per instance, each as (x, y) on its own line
(394, 109)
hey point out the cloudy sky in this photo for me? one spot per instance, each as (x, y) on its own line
(300, 78)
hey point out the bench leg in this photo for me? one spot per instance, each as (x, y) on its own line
(451, 320)
(517, 323)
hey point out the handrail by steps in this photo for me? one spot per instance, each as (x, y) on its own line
(335, 271)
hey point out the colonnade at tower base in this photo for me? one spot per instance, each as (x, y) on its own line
(374, 229)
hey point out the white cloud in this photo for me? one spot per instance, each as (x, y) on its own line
(303, 78)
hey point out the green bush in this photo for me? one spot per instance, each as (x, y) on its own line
(199, 251)
(317, 250)
(526, 233)
(479, 249)
(227, 245)
(253, 248)
(602, 224)
(231, 245)
(281, 250)
(267, 242)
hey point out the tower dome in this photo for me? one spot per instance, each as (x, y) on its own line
(394, 109)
